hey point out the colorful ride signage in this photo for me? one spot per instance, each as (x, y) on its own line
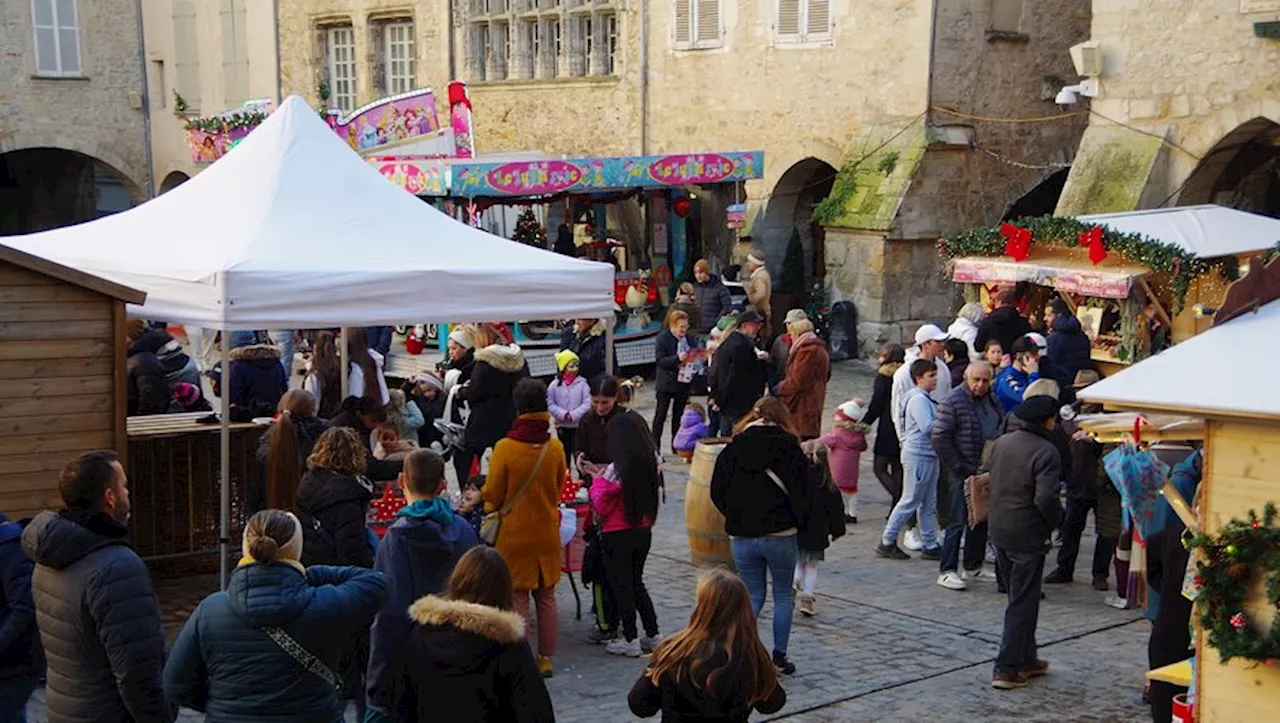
(544, 177)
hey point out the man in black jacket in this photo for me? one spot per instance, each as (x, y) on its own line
(737, 372)
(1023, 511)
(967, 419)
(1003, 324)
(714, 299)
(98, 617)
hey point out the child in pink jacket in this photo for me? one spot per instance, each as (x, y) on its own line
(846, 442)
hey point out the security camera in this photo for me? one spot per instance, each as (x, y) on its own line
(1070, 94)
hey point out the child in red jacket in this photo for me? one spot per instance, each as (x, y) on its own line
(845, 443)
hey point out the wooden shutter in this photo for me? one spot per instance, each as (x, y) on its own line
(788, 18)
(708, 21)
(683, 27)
(235, 52)
(187, 50)
(818, 19)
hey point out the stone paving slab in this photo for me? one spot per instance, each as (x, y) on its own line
(888, 644)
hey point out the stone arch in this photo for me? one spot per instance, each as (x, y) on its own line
(46, 187)
(172, 180)
(133, 179)
(1241, 170)
(789, 212)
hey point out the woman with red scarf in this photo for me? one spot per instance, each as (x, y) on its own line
(523, 486)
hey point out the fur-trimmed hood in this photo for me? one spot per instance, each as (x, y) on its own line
(499, 626)
(503, 357)
(888, 370)
(255, 352)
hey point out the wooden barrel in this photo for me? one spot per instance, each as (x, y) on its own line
(708, 542)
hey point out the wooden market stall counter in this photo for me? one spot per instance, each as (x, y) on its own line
(1209, 377)
(174, 488)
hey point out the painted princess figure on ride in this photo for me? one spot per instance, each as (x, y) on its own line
(368, 134)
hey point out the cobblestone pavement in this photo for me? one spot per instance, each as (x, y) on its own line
(888, 643)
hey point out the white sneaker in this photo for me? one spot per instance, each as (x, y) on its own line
(648, 645)
(979, 575)
(1116, 602)
(952, 581)
(624, 648)
(912, 541)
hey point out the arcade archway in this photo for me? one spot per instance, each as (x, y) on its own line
(1242, 171)
(173, 180)
(790, 213)
(45, 188)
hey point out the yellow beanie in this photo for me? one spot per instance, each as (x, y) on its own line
(564, 359)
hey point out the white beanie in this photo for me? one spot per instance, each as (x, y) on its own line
(853, 410)
(457, 336)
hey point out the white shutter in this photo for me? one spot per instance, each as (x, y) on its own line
(187, 50)
(235, 52)
(683, 34)
(708, 22)
(788, 19)
(818, 19)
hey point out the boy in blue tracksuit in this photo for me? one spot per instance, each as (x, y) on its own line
(418, 554)
(21, 655)
(1013, 380)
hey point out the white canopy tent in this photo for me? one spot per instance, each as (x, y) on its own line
(293, 230)
(1207, 231)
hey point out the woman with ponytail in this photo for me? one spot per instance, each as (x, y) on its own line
(283, 451)
(267, 646)
(324, 379)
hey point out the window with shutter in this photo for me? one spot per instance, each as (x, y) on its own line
(683, 23)
(55, 28)
(399, 64)
(342, 67)
(707, 23)
(530, 49)
(500, 49)
(788, 27)
(187, 53)
(609, 23)
(235, 52)
(817, 22)
(803, 21)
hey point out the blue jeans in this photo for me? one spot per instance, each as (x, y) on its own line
(776, 556)
(919, 499)
(975, 538)
(283, 338)
(14, 693)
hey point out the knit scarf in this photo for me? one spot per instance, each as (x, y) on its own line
(435, 509)
(531, 428)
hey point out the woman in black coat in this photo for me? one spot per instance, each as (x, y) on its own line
(673, 389)
(466, 653)
(493, 379)
(888, 463)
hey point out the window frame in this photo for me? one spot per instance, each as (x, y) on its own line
(331, 65)
(410, 45)
(57, 28)
(545, 39)
(694, 41)
(802, 36)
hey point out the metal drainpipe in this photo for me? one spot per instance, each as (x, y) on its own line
(928, 87)
(146, 108)
(453, 67)
(275, 16)
(644, 78)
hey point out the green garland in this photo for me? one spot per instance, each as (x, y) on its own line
(180, 107)
(1238, 551)
(226, 123)
(1058, 231)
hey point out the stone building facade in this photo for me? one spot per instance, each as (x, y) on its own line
(71, 110)
(213, 54)
(1188, 109)
(842, 97)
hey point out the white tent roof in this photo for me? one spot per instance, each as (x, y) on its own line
(1206, 231)
(1204, 374)
(292, 229)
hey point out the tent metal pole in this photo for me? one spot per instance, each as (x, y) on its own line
(224, 456)
(608, 347)
(344, 354)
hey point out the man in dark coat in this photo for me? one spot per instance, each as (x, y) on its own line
(586, 339)
(21, 657)
(714, 300)
(1022, 512)
(418, 554)
(1067, 345)
(1003, 324)
(98, 617)
(148, 389)
(967, 419)
(737, 372)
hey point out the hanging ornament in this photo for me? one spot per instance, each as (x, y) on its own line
(1238, 621)
(1097, 252)
(1017, 241)
(682, 206)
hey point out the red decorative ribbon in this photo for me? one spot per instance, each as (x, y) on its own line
(1093, 239)
(1017, 241)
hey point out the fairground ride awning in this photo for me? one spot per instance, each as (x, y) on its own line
(470, 178)
(1069, 275)
(1190, 377)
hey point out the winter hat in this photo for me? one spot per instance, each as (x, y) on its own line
(1037, 409)
(186, 393)
(930, 332)
(459, 337)
(796, 315)
(1084, 378)
(565, 358)
(290, 552)
(750, 316)
(853, 410)
(755, 260)
(430, 380)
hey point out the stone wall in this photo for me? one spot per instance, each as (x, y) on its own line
(1189, 71)
(93, 115)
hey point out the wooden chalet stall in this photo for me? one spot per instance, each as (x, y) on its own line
(1222, 377)
(62, 374)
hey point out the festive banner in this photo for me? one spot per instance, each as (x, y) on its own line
(389, 120)
(982, 270)
(545, 177)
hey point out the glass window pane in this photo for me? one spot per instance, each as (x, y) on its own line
(67, 13)
(43, 10)
(46, 51)
(69, 49)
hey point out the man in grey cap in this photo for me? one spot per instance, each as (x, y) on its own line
(737, 372)
(1023, 511)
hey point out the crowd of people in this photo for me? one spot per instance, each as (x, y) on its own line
(453, 607)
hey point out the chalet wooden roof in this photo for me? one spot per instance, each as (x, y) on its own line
(71, 276)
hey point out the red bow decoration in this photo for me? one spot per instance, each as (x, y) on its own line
(1093, 239)
(1017, 241)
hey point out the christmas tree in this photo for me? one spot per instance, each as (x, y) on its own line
(528, 231)
(819, 310)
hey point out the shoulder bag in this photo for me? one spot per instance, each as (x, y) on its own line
(304, 657)
(491, 522)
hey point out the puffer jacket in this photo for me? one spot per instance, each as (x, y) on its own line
(1069, 348)
(590, 348)
(879, 413)
(845, 444)
(714, 301)
(958, 434)
(471, 661)
(1025, 469)
(752, 504)
(340, 504)
(99, 621)
(692, 429)
(148, 388)
(20, 651)
(257, 380)
(573, 399)
(224, 663)
(497, 371)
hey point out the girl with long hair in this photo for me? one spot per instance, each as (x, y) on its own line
(466, 652)
(364, 378)
(324, 380)
(625, 497)
(284, 448)
(760, 485)
(716, 669)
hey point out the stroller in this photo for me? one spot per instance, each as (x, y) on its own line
(453, 423)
